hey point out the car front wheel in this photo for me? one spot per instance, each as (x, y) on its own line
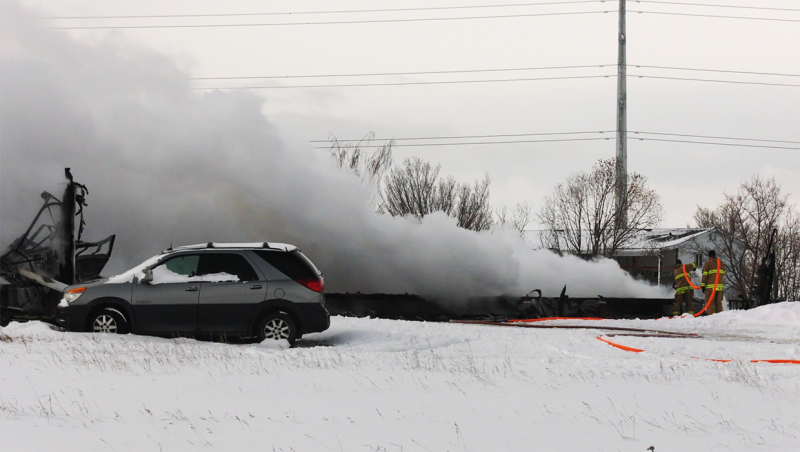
(108, 321)
(277, 326)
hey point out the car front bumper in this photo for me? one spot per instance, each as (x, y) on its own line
(71, 318)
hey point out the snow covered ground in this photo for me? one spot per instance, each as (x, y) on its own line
(369, 385)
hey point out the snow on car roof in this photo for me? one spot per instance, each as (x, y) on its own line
(258, 245)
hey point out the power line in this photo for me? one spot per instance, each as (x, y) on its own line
(515, 135)
(445, 82)
(472, 71)
(717, 144)
(469, 136)
(378, 74)
(361, 11)
(427, 19)
(713, 70)
(710, 80)
(453, 82)
(298, 13)
(478, 143)
(718, 138)
(716, 16)
(716, 6)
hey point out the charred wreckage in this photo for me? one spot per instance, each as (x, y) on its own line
(51, 255)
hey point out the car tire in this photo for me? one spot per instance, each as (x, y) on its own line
(277, 325)
(108, 320)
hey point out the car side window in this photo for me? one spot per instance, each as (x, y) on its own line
(180, 269)
(222, 267)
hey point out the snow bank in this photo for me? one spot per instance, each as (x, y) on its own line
(33, 329)
(785, 313)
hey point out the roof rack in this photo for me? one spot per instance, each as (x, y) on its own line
(267, 246)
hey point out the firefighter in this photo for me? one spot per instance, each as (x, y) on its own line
(683, 288)
(711, 269)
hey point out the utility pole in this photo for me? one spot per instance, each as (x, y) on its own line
(622, 120)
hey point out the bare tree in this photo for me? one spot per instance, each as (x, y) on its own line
(581, 215)
(370, 167)
(518, 218)
(746, 220)
(415, 188)
(473, 210)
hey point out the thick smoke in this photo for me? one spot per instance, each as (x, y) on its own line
(167, 165)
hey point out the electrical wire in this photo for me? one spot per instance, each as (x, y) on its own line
(758, 146)
(372, 21)
(381, 74)
(710, 80)
(469, 136)
(298, 13)
(715, 16)
(454, 82)
(718, 144)
(444, 82)
(712, 70)
(473, 71)
(476, 143)
(716, 6)
(638, 138)
(714, 137)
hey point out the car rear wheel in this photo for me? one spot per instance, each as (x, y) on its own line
(277, 326)
(108, 321)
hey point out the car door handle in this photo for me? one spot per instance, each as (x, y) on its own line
(191, 289)
(255, 286)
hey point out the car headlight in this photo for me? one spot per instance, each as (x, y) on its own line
(73, 294)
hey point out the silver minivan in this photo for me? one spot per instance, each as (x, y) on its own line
(263, 290)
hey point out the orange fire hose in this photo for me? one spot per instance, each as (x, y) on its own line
(713, 291)
(637, 350)
(620, 346)
(689, 278)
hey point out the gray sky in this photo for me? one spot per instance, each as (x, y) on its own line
(684, 174)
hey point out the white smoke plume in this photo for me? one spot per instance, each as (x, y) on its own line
(168, 165)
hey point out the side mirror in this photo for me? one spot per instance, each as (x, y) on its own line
(148, 277)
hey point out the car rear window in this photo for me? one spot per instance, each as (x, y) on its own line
(292, 264)
(232, 264)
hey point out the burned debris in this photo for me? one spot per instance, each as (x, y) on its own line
(531, 306)
(50, 255)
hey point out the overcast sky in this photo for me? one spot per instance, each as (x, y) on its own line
(684, 174)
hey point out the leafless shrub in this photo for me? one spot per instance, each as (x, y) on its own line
(581, 215)
(415, 188)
